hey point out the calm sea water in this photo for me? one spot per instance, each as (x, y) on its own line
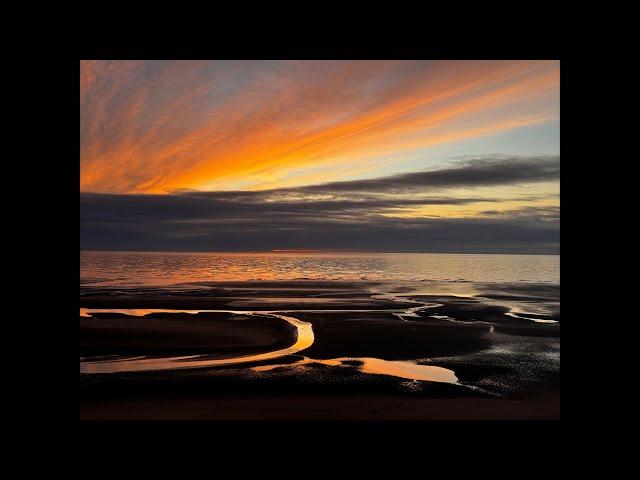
(169, 268)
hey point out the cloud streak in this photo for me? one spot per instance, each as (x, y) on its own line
(356, 215)
(473, 173)
(157, 127)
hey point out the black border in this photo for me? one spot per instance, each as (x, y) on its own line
(42, 231)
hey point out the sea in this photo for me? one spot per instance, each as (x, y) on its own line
(100, 268)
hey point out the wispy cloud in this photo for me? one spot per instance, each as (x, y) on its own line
(156, 127)
(472, 173)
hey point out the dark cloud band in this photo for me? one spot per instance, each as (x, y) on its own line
(340, 215)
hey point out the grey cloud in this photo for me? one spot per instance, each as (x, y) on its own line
(472, 173)
(373, 233)
(339, 215)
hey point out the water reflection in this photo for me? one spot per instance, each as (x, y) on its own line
(304, 339)
(396, 368)
(160, 268)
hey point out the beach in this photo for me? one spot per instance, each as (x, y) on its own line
(319, 350)
(318, 240)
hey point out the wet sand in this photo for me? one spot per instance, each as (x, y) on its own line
(505, 358)
(384, 335)
(219, 335)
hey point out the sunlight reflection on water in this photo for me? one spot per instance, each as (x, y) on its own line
(304, 339)
(159, 268)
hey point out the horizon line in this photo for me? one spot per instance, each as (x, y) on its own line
(276, 251)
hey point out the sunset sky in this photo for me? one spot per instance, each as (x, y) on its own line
(459, 156)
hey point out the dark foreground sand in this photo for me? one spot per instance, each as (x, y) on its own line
(324, 407)
(508, 367)
(216, 334)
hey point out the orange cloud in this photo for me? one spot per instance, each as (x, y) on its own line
(156, 127)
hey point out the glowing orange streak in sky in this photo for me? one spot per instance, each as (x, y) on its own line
(236, 139)
(346, 137)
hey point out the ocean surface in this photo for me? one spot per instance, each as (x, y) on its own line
(170, 268)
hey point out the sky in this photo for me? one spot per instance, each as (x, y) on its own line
(434, 156)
